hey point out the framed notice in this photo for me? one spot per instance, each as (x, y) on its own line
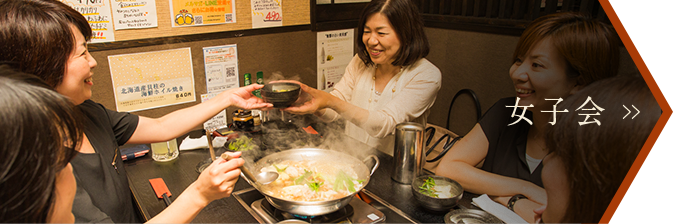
(152, 79)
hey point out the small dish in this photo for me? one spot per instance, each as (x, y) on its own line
(281, 94)
(441, 202)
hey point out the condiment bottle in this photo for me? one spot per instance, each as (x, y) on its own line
(260, 81)
(246, 79)
(243, 120)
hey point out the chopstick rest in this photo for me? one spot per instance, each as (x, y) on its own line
(160, 188)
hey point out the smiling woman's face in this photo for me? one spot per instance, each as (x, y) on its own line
(555, 181)
(77, 81)
(540, 75)
(380, 39)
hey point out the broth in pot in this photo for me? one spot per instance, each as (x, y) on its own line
(311, 180)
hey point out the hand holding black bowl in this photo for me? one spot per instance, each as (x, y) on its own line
(281, 94)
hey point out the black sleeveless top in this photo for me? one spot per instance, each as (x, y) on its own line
(103, 193)
(507, 144)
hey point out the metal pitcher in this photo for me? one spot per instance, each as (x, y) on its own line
(408, 156)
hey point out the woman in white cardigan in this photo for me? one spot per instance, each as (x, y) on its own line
(388, 82)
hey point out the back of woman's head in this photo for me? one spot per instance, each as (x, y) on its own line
(406, 20)
(589, 47)
(597, 157)
(35, 36)
(39, 136)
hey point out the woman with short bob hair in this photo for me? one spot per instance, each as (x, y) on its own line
(388, 82)
(556, 56)
(42, 141)
(406, 22)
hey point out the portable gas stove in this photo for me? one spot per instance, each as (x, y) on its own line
(369, 209)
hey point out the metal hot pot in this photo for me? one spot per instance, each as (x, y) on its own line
(313, 208)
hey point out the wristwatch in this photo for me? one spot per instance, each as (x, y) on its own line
(513, 199)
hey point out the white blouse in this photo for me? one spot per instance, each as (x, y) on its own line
(407, 97)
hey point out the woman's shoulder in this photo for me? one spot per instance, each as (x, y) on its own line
(499, 107)
(90, 105)
(357, 63)
(427, 70)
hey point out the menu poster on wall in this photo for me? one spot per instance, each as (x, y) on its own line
(219, 120)
(335, 51)
(134, 14)
(152, 79)
(97, 12)
(266, 13)
(202, 12)
(221, 68)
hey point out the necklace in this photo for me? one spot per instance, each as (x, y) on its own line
(396, 76)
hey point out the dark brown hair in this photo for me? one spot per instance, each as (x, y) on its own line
(38, 141)
(35, 36)
(597, 158)
(407, 23)
(589, 47)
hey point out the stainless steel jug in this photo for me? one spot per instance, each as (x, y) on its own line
(408, 156)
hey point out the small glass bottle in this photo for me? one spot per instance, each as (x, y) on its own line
(260, 80)
(246, 79)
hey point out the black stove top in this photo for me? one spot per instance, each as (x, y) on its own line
(369, 209)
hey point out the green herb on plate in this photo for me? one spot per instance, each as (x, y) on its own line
(428, 187)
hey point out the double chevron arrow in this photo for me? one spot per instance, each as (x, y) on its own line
(629, 112)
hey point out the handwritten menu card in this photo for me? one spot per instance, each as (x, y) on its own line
(97, 12)
(266, 13)
(134, 14)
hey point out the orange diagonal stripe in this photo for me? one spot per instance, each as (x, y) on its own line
(654, 88)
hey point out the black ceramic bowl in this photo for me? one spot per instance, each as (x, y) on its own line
(441, 203)
(281, 94)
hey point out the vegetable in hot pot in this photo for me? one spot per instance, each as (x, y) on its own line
(308, 180)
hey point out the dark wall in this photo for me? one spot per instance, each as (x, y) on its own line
(291, 53)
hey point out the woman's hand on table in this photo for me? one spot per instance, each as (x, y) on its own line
(523, 207)
(243, 98)
(218, 180)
